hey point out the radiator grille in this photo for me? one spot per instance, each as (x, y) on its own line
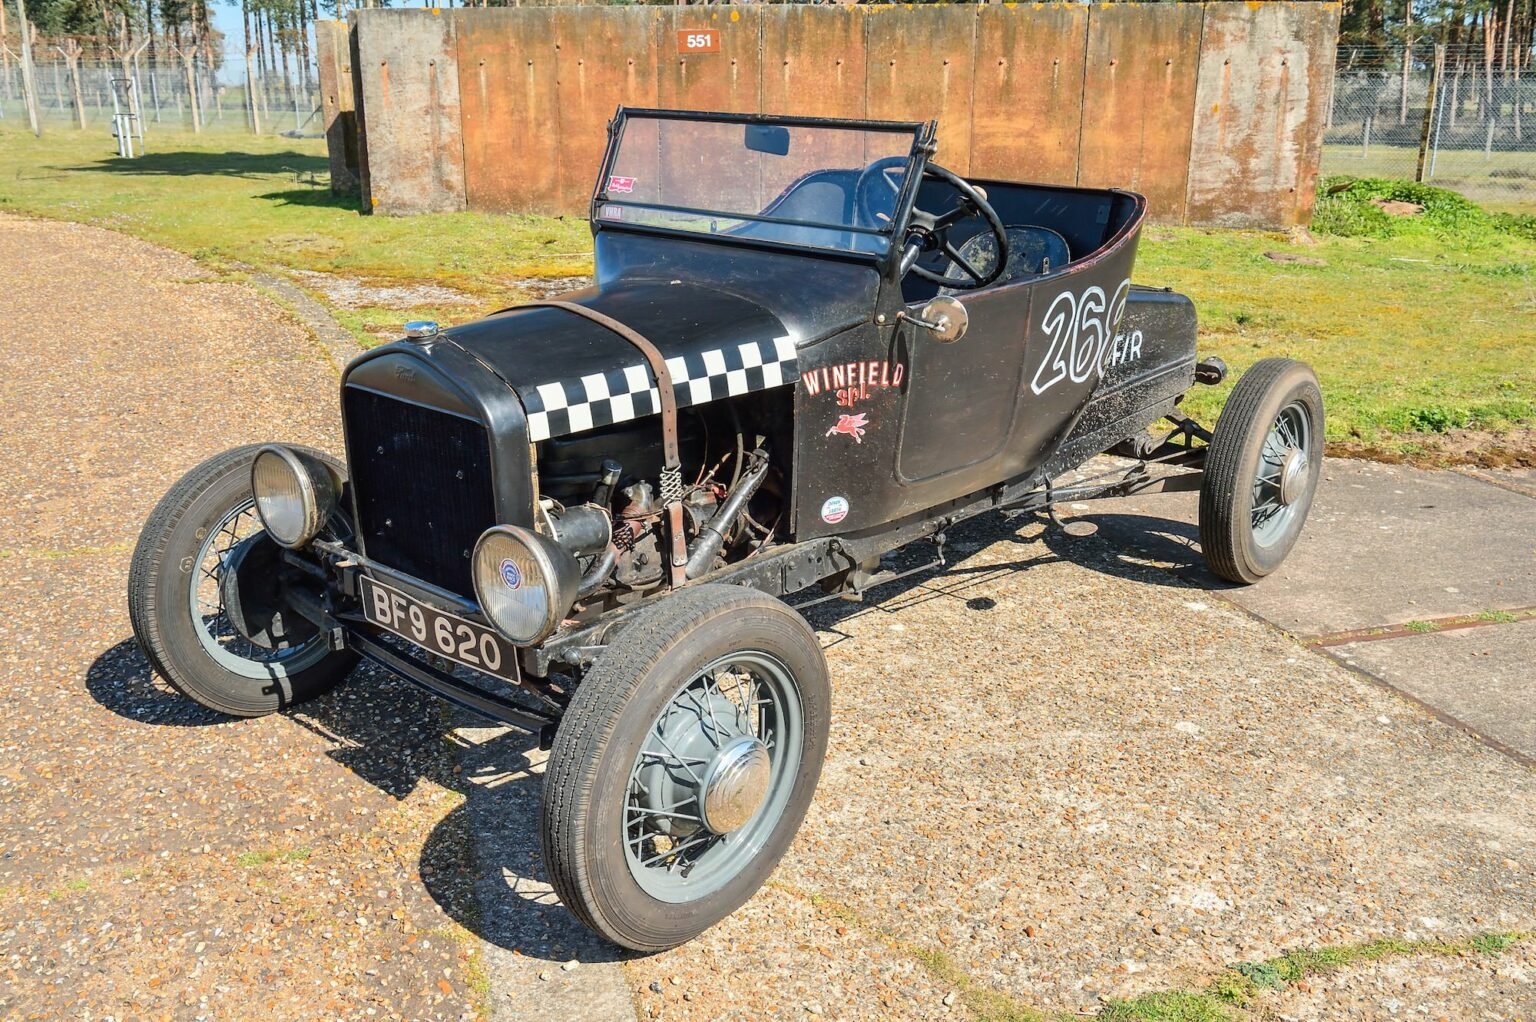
(421, 482)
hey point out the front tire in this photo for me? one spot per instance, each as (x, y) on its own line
(1261, 472)
(684, 765)
(176, 600)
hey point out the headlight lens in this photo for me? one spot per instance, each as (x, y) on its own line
(295, 494)
(525, 582)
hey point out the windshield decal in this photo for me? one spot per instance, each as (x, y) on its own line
(618, 184)
(601, 399)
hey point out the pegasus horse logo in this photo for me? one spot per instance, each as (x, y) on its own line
(851, 425)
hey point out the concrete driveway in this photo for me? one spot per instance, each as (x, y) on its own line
(1059, 772)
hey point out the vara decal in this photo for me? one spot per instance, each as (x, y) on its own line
(851, 425)
(834, 510)
(511, 577)
(1080, 328)
(617, 184)
(853, 381)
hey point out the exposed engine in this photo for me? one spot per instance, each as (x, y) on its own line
(600, 494)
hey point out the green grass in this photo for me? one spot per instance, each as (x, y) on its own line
(1421, 626)
(1416, 328)
(250, 860)
(1497, 616)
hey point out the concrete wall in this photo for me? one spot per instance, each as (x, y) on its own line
(1215, 111)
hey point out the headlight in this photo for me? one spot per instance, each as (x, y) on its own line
(525, 582)
(295, 494)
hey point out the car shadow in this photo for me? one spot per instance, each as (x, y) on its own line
(482, 862)
(1139, 547)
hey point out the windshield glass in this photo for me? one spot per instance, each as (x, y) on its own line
(808, 185)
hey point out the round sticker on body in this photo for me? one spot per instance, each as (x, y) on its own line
(511, 577)
(834, 510)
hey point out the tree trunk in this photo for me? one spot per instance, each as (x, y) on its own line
(71, 54)
(28, 80)
(1402, 110)
(5, 53)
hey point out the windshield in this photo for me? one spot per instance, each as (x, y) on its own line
(811, 185)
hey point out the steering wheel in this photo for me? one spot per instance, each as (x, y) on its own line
(875, 194)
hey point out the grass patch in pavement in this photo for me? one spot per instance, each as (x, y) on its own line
(1241, 985)
(1415, 326)
(250, 860)
(1224, 999)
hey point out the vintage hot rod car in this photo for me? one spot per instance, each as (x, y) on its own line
(807, 345)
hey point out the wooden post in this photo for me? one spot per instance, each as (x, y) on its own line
(28, 82)
(189, 69)
(71, 53)
(250, 89)
(1430, 104)
(5, 53)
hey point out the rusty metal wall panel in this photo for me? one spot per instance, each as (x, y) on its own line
(919, 67)
(730, 79)
(411, 95)
(813, 61)
(608, 56)
(1026, 118)
(507, 92)
(333, 60)
(1265, 71)
(1138, 101)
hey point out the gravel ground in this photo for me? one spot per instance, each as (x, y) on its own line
(1109, 784)
(1054, 777)
(156, 861)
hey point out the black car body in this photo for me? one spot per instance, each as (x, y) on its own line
(805, 346)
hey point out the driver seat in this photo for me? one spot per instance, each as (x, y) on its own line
(1031, 250)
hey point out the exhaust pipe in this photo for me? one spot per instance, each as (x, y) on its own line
(706, 546)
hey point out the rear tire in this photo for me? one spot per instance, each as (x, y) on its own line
(1261, 473)
(175, 603)
(645, 730)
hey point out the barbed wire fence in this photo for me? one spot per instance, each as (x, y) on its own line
(166, 94)
(1455, 120)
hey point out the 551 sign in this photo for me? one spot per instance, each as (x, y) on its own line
(698, 40)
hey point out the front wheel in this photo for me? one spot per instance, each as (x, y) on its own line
(1265, 459)
(180, 585)
(684, 765)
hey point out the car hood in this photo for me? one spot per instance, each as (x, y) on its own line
(572, 374)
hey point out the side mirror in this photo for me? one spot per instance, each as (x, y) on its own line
(945, 318)
(772, 139)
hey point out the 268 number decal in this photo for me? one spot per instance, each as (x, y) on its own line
(1080, 327)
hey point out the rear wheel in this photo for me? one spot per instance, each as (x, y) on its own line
(684, 765)
(1261, 473)
(180, 587)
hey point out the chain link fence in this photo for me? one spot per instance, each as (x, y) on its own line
(1479, 138)
(166, 94)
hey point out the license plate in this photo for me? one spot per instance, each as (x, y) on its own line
(453, 638)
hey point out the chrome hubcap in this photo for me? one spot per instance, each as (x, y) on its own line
(1284, 477)
(735, 783)
(713, 776)
(1293, 475)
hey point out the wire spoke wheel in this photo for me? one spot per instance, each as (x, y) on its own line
(1262, 469)
(203, 545)
(713, 776)
(684, 764)
(217, 635)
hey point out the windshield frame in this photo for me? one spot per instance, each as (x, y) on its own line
(922, 148)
